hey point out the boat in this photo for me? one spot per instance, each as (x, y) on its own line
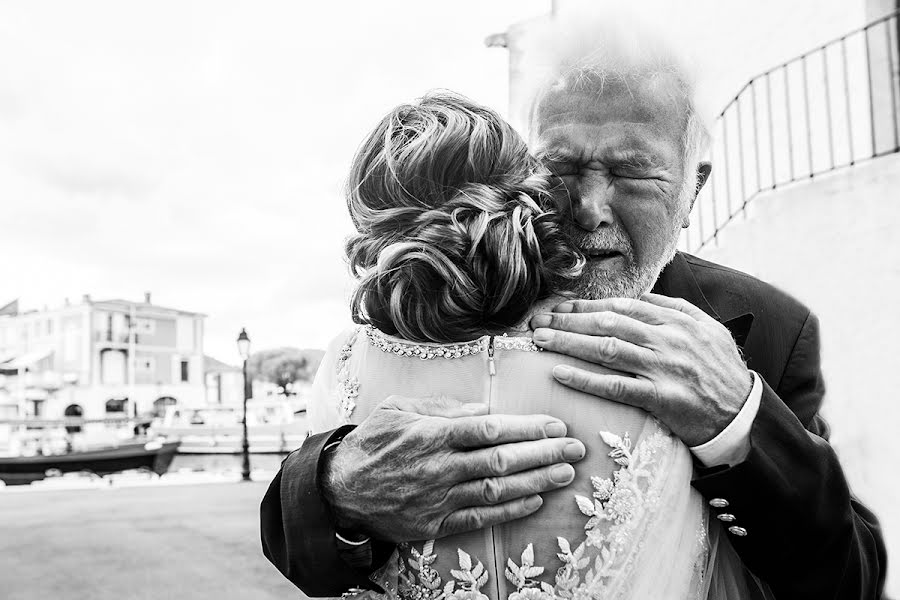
(272, 428)
(154, 456)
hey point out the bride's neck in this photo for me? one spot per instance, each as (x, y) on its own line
(542, 306)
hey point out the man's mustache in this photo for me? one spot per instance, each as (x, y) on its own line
(611, 239)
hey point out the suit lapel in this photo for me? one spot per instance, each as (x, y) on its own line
(678, 281)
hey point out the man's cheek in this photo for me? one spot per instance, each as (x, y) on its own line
(648, 232)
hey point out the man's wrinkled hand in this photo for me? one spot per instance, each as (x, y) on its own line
(427, 468)
(686, 369)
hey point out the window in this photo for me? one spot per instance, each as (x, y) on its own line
(76, 412)
(116, 405)
(185, 371)
(160, 404)
(113, 366)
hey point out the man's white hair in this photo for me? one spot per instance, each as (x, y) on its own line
(589, 48)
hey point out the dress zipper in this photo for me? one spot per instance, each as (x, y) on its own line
(492, 368)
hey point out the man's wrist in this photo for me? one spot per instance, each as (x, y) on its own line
(333, 489)
(732, 445)
(355, 547)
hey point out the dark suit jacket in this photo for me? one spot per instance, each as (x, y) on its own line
(806, 535)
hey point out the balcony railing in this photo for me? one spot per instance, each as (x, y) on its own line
(827, 109)
(114, 337)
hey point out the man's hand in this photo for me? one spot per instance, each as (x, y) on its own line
(687, 369)
(423, 469)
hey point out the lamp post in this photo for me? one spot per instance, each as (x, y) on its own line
(243, 343)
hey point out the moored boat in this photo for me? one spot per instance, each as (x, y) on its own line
(154, 456)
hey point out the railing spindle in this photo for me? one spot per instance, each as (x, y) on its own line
(715, 214)
(871, 97)
(790, 129)
(847, 101)
(828, 105)
(809, 150)
(727, 169)
(890, 54)
(755, 135)
(740, 132)
(771, 127)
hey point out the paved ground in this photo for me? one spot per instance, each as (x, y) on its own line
(159, 542)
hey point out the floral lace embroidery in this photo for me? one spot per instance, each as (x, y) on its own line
(621, 500)
(347, 387)
(420, 581)
(431, 351)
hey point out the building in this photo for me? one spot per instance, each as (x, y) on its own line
(224, 383)
(99, 359)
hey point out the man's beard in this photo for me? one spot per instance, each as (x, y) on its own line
(632, 280)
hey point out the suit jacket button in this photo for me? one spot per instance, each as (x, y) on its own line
(727, 517)
(719, 503)
(738, 531)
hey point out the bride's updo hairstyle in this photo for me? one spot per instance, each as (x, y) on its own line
(456, 237)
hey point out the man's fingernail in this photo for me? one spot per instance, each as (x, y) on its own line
(475, 407)
(533, 502)
(574, 451)
(562, 373)
(543, 335)
(541, 321)
(562, 473)
(555, 429)
(565, 307)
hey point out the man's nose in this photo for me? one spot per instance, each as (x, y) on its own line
(592, 210)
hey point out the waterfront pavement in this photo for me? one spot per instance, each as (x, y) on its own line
(154, 542)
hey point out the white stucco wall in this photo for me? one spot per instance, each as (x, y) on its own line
(834, 243)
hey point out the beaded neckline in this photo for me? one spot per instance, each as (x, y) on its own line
(430, 351)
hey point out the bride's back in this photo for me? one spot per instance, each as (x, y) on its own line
(629, 506)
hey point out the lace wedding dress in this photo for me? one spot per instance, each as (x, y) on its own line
(629, 526)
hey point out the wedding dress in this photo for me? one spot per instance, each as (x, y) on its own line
(629, 526)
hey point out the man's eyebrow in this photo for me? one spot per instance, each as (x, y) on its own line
(634, 158)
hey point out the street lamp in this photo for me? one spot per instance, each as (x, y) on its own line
(243, 343)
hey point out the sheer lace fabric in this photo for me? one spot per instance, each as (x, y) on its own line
(629, 526)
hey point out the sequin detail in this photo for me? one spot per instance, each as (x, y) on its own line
(392, 345)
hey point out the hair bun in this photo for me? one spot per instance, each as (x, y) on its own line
(455, 237)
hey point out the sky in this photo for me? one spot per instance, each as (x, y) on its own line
(197, 149)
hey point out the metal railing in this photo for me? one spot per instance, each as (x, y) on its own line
(827, 109)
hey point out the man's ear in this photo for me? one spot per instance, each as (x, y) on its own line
(703, 170)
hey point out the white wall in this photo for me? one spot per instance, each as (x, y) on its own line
(834, 243)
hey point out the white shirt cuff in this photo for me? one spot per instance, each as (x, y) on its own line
(732, 445)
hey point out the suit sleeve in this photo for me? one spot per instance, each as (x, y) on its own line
(297, 530)
(788, 507)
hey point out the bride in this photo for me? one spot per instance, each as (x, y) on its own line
(457, 247)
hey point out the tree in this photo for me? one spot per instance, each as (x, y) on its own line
(284, 366)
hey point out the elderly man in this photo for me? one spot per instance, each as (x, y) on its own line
(727, 362)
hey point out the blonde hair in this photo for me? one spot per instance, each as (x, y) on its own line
(455, 238)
